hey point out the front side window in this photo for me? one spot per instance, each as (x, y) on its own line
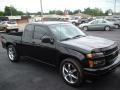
(65, 31)
(94, 22)
(101, 21)
(39, 32)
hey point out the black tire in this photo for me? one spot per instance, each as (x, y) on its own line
(74, 23)
(16, 30)
(85, 28)
(116, 26)
(7, 31)
(12, 54)
(83, 22)
(107, 28)
(79, 73)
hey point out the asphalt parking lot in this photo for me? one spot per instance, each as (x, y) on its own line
(31, 75)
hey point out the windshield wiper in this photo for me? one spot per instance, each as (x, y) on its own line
(66, 39)
(78, 36)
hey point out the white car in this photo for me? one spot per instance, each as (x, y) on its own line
(9, 26)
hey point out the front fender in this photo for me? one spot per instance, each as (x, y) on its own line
(76, 54)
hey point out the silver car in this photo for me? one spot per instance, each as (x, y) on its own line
(98, 24)
(116, 22)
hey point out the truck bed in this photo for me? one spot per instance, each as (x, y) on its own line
(13, 33)
(12, 37)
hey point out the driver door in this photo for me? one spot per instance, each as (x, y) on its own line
(94, 25)
(45, 52)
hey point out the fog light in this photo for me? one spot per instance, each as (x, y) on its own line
(91, 63)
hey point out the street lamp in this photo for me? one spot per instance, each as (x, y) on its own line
(11, 10)
(41, 8)
(115, 7)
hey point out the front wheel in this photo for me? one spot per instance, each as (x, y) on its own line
(71, 72)
(12, 53)
(16, 30)
(117, 26)
(107, 28)
(7, 31)
(74, 23)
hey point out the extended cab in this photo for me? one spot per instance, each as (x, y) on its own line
(63, 45)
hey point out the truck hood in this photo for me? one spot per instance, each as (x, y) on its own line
(88, 43)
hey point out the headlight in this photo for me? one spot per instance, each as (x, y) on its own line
(96, 59)
(94, 55)
(89, 56)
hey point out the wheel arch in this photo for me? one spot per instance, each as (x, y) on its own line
(9, 43)
(75, 55)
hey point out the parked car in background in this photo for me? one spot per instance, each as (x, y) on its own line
(74, 20)
(9, 26)
(116, 22)
(98, 24)
(83, 20)
(1, 26)
(64, 46)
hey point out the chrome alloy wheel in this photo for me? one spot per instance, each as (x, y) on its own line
(70, 73)
(11, 54)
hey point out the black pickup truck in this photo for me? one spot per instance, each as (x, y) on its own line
(64, 46)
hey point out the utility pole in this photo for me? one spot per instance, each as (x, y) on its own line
(115, 6)
(41, 10)
(11, 10)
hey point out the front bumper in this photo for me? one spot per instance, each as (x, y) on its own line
(12, 28)
(102, 71)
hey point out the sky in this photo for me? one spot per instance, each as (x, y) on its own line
(34, 5)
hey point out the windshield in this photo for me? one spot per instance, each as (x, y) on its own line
(66, 31)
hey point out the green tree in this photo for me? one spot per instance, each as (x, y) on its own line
(76, 11)
(8, 11)
(1, 13)
(93, 12)
(58, 12)
(70, 12)
(52, 12)
(108, 12)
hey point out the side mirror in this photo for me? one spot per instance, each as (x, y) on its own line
(47, 39)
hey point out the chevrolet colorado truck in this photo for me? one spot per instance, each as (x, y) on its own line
(63, 46)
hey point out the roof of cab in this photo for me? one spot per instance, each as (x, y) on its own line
(49, 23)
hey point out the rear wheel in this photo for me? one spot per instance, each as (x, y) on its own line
(85, 28)
(71, 72)
(12, 53)
(107, 28)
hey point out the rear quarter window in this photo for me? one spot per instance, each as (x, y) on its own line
(28, 32)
